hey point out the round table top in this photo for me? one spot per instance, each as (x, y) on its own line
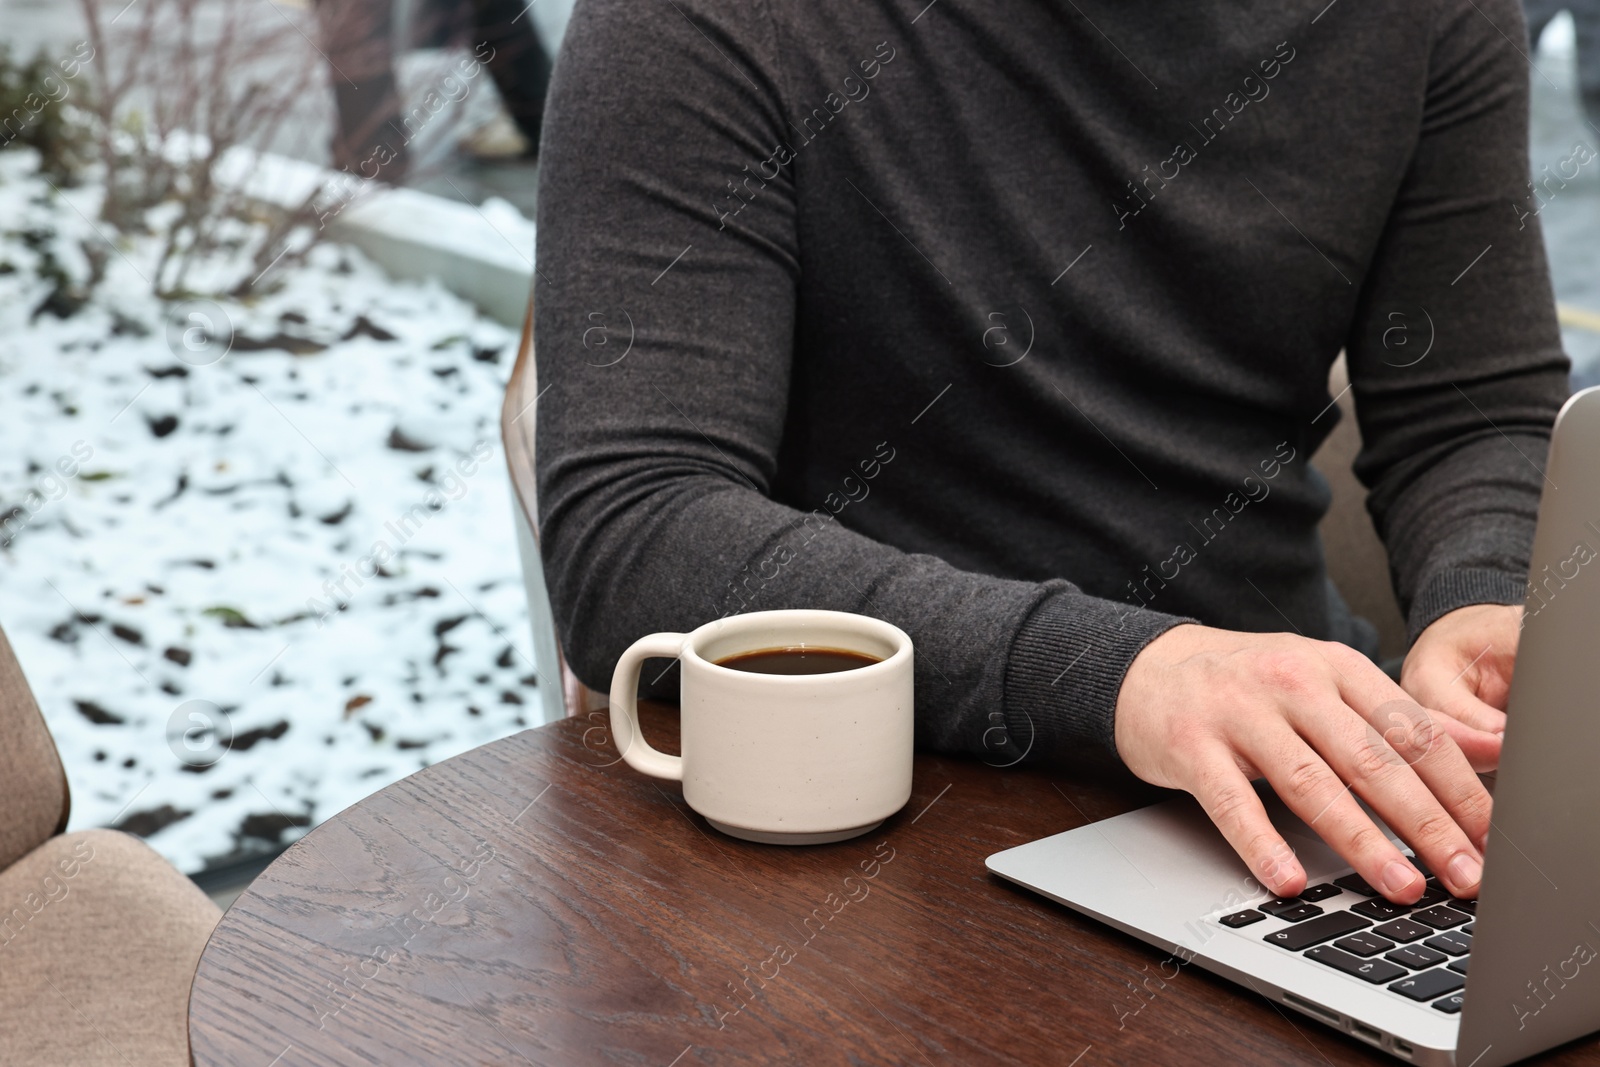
(537, 901)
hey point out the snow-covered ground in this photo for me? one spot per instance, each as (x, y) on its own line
(181, 517)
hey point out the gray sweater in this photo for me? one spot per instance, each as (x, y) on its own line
(1014, 328)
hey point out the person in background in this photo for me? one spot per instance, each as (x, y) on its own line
(372, 137)
(357, 37)
(1586, 31)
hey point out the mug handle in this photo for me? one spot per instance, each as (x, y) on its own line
(625, 707)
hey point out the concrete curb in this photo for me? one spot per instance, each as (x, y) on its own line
(484, 255)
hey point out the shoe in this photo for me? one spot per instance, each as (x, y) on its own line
(497, 139)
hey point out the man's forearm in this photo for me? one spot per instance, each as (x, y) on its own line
(1006, 669)
(1462, 531)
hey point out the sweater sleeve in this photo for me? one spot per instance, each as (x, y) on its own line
(664, 321)
(1455, 355)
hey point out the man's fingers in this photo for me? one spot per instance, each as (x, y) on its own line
(1231, 802)
(1426, 744)
(1415, 778)
(1436, 766)
(1435, 689)
(1304, 780)
(1482, 750)
(1473, 723)
(1468, 710)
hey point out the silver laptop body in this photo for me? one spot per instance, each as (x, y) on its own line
(1165, 875)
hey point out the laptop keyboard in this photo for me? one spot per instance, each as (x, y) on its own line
(1417, 951)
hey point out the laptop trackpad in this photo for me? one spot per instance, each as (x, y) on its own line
(1314, 854)
(1166, 852)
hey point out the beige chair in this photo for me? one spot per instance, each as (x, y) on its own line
(1357, 562)
(99, 936)
(516, 429)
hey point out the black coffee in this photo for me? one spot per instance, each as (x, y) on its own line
(798, 659)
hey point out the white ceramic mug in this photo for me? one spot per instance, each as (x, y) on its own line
(794, 759)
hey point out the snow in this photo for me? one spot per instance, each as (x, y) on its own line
(186, 516)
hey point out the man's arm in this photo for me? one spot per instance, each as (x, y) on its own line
(1458, 373)
(657, 448)
(665, 321)
(1457, 366)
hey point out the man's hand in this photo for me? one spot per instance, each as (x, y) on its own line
(1207, 710)
(1461, 666)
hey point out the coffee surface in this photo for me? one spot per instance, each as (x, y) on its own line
(798, 659)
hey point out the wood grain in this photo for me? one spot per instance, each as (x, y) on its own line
(536, 901)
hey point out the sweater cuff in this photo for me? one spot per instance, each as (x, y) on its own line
(1460, 587)
(1066, 668)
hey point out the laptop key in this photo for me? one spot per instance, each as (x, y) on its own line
(1429, 985)
(1298, 913)
(1241, 918)
(1460, 966)
(1451, 943)
(1316, 931)
(1449, 1005)
(1402, 930)
(1416, 957)
(1374, 971)
(1467, 929)
(1356, 884)
(1363, 944)
(1430, 896)
(1380, 909)
(1319, 892)
(1440, 917)
(1468, 906)
(1279, 905)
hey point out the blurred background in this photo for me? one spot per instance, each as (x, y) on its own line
(1564, 138)
(262, 269)
(256, 541)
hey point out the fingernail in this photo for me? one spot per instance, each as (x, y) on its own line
(1465, 871)
(1397, 876)
(1277, 877)
(1280, 867)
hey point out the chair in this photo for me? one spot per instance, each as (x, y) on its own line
(99, 936)
(1357, 561)
(517, 415)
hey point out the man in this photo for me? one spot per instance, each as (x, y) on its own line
(1010, 322)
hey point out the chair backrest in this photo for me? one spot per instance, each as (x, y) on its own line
(34, 799)
(1357, 561)
(517, 413)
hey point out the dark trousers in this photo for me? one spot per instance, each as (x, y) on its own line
(521, 66)
(357, 37)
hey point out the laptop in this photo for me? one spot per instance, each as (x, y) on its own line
(1449, 982)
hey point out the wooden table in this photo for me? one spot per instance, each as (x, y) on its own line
(536, 901)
